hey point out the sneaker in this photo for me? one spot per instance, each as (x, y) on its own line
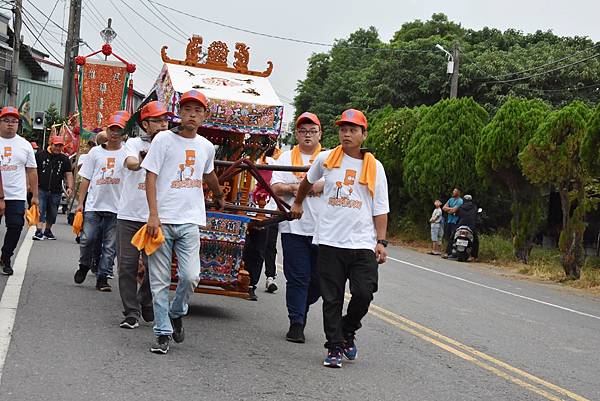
(271, 285)
(296, 333)
(178, 332)
(102, 284)
(252, 294)
(80, 274)
(129, 323)
(349, 349)
(110, 276)
(38, 236)
(161, 346)
(48, 235)
(333, 358)
(148, 314)
(6, 268)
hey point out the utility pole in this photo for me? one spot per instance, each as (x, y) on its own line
(67, 104)
(454, 79)
(14, 68)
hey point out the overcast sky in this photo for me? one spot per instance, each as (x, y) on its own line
(319, 21)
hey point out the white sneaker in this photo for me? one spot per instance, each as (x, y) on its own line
(271, 285)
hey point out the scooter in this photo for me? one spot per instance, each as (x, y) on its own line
(462, 245)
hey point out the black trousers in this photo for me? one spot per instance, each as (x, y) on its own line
(257, 251)
(271, 250)
(336, 266)
(14, 218)
(450, 230)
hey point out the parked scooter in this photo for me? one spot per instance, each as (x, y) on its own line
(463, 242)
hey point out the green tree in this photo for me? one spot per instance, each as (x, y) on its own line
(590, 148)
(502, 140)
(441, 153)
(553, 157)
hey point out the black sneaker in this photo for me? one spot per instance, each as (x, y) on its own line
(252, 295)
(296, 333)
(129, 323)
(48, 235)
(148, 314)
(102, 284)
(161, 346)
(178, 332)
(333, 358)
(6, 268)
(349, 349)
(80, 274)
(38, 236)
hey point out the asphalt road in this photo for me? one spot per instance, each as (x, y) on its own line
(438, 330)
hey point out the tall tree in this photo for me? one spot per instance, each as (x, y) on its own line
(553, 157)
(502, 140)
(441, 153)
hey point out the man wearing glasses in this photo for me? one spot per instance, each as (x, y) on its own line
(133, 214)
(17, 161)
(299, 253)
(101, 178)
(53, 167)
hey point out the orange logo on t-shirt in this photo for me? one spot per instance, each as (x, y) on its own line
(186, 172)
(5, 159)
(108, 172)
(344, 192)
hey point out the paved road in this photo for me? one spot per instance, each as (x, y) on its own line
(438, 330)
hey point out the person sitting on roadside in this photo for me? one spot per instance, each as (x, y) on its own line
(437, 228)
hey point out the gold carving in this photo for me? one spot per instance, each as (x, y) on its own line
(217, 57)
(242, 56)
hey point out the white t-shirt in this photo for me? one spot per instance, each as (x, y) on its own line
(81, 159)
(104, 169)
(312, 204)
(180, 164)
(16, 155)
(346, 220)
(133, 205)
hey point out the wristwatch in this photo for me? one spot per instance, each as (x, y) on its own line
(382, 242)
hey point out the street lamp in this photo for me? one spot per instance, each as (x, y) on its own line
(450, 68)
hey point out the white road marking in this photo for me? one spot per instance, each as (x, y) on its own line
(496, 289)
(10, 296)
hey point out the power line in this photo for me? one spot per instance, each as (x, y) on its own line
(42, 13)
(157, 14)
(151, 24)
(569, 89)
(543, 72)
(45, 24)
(308, 42)
(50, 52)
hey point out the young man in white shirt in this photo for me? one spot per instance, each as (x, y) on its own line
(102, 180)
(18, 166)
(299, 253)
(133, 214)
(351, 232)
(178, 162)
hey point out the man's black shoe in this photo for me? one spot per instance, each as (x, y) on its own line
(6, 269)
(148, 314)
(296, 333)
(102, 284)
(129, 323)
(252, 294)
(178, 332)
(161, 346)
(80, 274)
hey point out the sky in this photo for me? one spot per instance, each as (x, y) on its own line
(322, 21)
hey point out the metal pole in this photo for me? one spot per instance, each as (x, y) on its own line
(14, 68)
(454, 79)
(71, 51)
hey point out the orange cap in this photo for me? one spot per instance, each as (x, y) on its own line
(193, 95)
(57, 139)
(353, 116)
(9, 111)
(310, 117)
(153, 109)
(118, 118)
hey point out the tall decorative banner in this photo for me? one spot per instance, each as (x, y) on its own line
(102, 87)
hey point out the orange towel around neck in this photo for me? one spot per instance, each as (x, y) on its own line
(141, 240)
(297, 158)
(368, 175)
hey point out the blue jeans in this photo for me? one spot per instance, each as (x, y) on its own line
(99, 227)
(302, 277)
(184, 239)
(49, 203)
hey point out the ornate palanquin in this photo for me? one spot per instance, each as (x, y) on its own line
(244, 123)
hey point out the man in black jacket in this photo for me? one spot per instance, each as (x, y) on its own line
(467, 216)
(53, 167)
